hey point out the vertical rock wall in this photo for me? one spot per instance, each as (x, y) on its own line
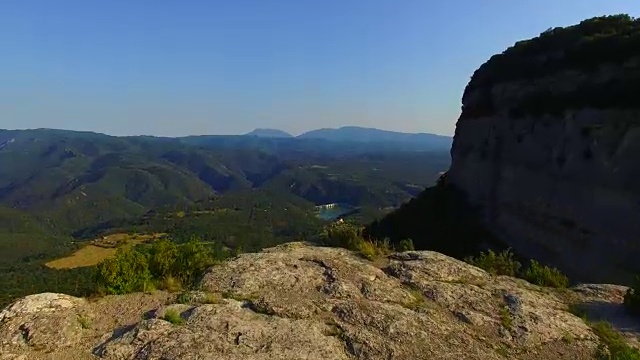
(548, 147)
(566, 190)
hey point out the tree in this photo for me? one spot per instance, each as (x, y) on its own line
(127, 272)
(162, 258)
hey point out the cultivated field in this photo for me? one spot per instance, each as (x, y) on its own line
(100, 249)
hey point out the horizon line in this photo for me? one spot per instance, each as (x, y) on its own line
(209, 134)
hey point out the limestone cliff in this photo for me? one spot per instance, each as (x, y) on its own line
(299, 301)
(548, 147)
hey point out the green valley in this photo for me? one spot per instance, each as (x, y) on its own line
(59, 190)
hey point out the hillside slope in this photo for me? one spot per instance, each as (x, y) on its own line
(548, 147)
(79, 179)
(301, 301)
(371, 135)
(269, 133)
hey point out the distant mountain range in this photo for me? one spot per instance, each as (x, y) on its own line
(82, 178)
(269, 133)
(361, 135)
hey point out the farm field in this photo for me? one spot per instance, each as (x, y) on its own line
(100, 249)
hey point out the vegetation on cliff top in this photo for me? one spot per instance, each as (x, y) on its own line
(504, 263)
(438, 219)
(583, 47)
(163, 264)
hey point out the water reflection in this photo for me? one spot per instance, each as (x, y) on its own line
(334, 211)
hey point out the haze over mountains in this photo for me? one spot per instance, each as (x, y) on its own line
(363, 135)
(64, 173)
(544, 163)
(271, 133)
(356, 133)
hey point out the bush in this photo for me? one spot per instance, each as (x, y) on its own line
(173, 317)
(185, 298)
(192, 260)
(342, 235)
(545, 276)
(406, 245)
(496, 263)
(504, 264)
(616, 345)
(169, 265)
(127, 272)
(350, 237)
(632, 298)
(162, 257)
(171, 284)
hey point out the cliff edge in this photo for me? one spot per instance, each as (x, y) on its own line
(548, 146)
(299, 301)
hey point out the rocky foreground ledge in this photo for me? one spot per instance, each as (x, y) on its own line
(298, 301)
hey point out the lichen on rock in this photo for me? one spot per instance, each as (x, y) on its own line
(300, 301)
(44, 322)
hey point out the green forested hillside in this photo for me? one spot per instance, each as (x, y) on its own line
(80, 179)
(60, 189)
(438, 219)
(590, 46)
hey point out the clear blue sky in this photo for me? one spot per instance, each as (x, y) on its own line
(183, 67)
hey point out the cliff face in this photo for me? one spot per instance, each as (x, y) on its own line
(548, 147)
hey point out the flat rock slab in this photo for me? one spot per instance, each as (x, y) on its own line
(299, 301)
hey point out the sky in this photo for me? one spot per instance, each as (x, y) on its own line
(186, 67)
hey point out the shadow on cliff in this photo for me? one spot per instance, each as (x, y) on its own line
(117, 333)
(438, 219)
(612, 313)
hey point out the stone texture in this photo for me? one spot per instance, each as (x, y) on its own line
(298, 301)
(44, 321)
(560, 188)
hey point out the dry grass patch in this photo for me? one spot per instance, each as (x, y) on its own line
(100, 249)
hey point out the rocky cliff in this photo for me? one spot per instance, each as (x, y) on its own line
(548, 147)
(299, 301)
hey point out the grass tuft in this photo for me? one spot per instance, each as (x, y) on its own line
(505, 318)
(171, 284)
(173, 317)
(84, 321)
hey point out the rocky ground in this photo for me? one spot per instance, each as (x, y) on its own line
(298, 301)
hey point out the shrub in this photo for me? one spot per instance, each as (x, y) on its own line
(406, 245)
(632, 298)
(350, 237)
(162, 258)
(342, 235)
(545, 276)
(616, 345)
(127, 272)
(173, 317)
(169, 265)
(505, 318)
(192, 260)
(171, 284)
(185, 298)
(212, 298)
(84, 321)
(367, 249)
(496, 263)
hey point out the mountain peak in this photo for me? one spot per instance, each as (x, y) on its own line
(273, 133)
(373, 135)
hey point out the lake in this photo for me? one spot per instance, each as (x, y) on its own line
(330, 212)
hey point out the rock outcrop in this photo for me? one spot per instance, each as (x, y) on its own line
(548, 147)
(298, 301)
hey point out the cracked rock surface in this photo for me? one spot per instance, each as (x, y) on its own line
(299, 301)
